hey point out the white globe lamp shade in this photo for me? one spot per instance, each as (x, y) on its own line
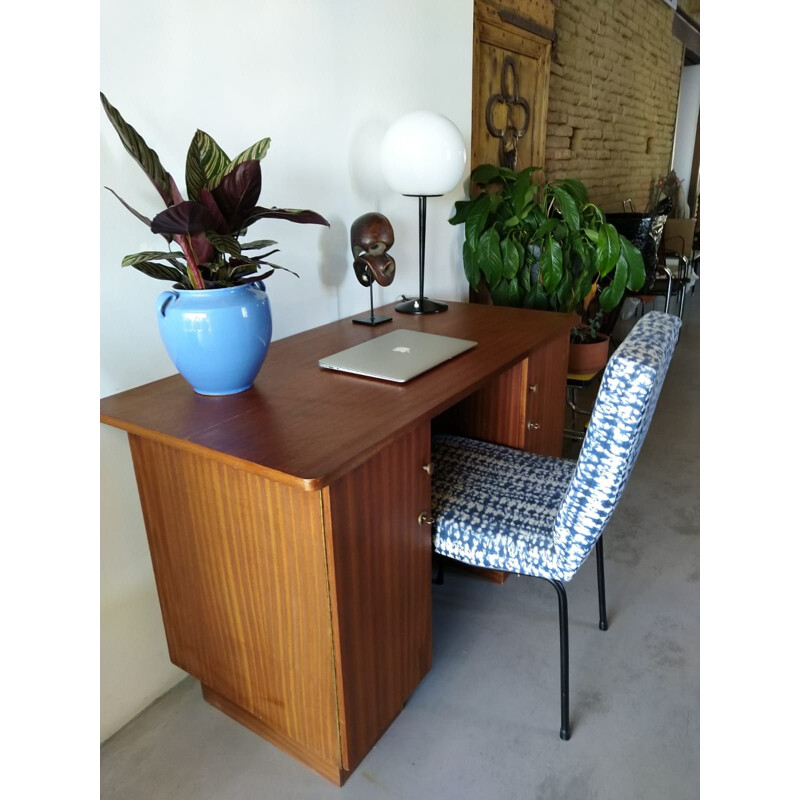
(423, 154)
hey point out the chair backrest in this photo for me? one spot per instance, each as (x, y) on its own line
(679, 236)
(622, 412)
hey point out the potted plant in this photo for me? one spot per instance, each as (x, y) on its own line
(545, 247)
(215, 321)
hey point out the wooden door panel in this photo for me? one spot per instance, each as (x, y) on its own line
(511, 78)
(380, 567)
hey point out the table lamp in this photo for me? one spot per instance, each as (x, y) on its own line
(423, 155)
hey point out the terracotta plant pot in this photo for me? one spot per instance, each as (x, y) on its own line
(587, 357)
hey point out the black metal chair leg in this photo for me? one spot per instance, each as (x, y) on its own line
(601, 583)
(563, 623)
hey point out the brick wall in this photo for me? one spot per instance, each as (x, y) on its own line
(614, 83)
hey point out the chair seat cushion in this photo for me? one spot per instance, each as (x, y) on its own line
(495, 506)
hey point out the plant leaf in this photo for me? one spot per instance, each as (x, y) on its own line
(145, 157)
(257, 244)
(519, 191)
(489, 259)
(545, 229)
(183, 218)
(608, 249)
(301, 216)
(471, 269)
(511, 260)
(462, 206)
(636, 273)
(237, 194)
(140, 217)
(149, 255)
(537, 298)
(552, 268)
(500, 293)
(255, 152)
(611, 296)
(206, 163)
(224, 244)
(160, 271)
(475, 221)
(485, 173)
(567, 207)
(278, 266)
(576, 189)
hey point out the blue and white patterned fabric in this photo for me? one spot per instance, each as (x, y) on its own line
(505, 509)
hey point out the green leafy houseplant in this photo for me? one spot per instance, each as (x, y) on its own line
(222, 203)
(544, 246)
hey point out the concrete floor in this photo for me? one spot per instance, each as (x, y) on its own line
(484, 722)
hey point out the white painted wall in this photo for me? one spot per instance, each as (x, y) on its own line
(686, 125)
(322, 78)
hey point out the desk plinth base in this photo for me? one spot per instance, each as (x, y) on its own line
(334, 774)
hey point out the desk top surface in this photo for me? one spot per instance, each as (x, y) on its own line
(303, 425)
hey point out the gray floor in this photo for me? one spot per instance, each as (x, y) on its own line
(484, 722)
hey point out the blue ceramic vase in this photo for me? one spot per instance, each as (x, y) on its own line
(217, 338)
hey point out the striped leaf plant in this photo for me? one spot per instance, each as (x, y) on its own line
(543, 245)
(203, 231)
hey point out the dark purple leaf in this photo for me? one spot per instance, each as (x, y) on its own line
(207, 199)
(304, 217)
(186, 217)
(237, 194)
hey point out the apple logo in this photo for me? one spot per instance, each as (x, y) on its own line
(401, 349)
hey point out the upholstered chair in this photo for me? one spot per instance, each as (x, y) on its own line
(505, 509)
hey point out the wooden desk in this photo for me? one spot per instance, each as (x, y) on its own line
(293, 574)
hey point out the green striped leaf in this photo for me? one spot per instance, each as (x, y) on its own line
(206, 164)
(150, 255)
(160, 271)
(254, 153)
(225, 244)
(144, 156)
(257, 244)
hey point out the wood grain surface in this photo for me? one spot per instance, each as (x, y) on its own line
(380, 562)
(240, 567)
(305, 426)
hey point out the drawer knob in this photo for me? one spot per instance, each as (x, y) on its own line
(425, 518)
(534, 387)
(428, 468)
(534, 426)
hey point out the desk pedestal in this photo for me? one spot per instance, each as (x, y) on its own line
(305, 615)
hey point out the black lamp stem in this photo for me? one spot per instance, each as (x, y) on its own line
(423, 213)
(422, 305)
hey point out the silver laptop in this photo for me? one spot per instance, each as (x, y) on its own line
(398, 356)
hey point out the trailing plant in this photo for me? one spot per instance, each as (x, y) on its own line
(544, 246)
(222, 204)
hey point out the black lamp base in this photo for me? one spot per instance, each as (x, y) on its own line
(421, 305)
(371, 320)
